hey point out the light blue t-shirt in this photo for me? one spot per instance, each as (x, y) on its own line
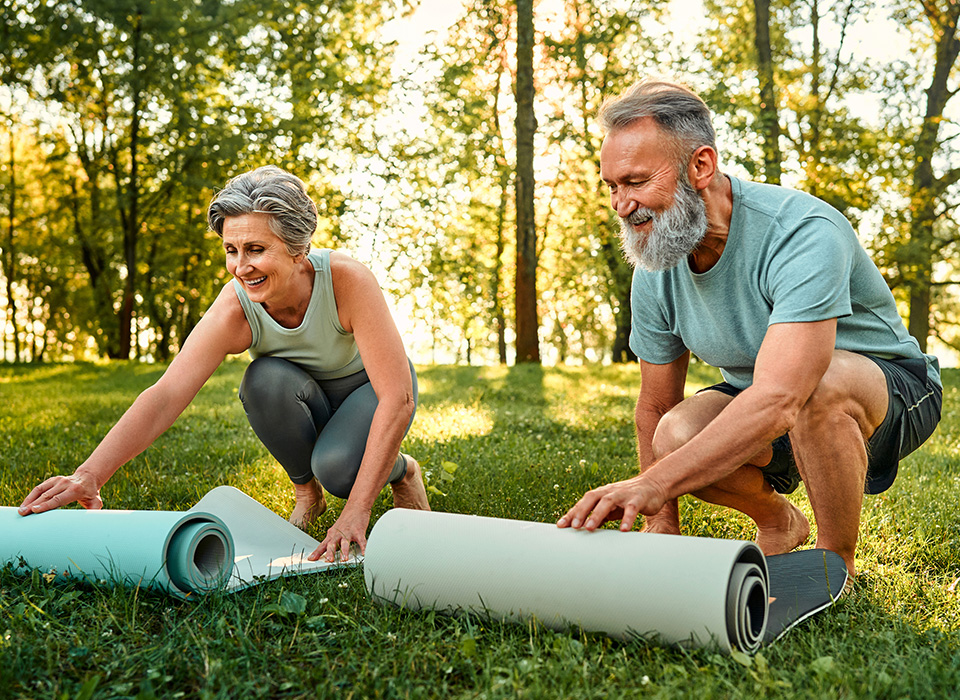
(319, 345)
(789, 258)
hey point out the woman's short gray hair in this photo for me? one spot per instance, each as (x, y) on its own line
(268, 190)
(675, 108)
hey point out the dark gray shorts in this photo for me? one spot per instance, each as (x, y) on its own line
(912, 415)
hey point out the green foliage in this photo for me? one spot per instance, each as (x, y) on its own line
(136, 113)
(527, 442)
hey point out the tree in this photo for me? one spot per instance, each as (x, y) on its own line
(598, 51)
(151, 105)
(769, 117)
(528, 343)
(928, 190)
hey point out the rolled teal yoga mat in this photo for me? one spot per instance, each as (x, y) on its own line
(227, 541)
(180, 553)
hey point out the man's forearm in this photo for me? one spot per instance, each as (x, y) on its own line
(748, 424)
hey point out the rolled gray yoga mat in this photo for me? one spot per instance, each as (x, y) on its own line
(226, 541)
(685, 591)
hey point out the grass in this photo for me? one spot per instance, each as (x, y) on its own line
(527, 442)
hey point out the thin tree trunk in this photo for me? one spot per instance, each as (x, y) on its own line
(11, 262)
(769, 117)
(131, 215)
(496, 281)
(528, 345)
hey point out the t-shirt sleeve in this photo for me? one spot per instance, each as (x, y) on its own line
(809, 272)
(651, 336)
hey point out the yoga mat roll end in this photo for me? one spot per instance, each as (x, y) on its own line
(199, 555)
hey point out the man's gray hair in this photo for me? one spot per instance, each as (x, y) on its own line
(675, 108)
(268, 190)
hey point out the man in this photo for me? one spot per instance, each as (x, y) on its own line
(821, 380)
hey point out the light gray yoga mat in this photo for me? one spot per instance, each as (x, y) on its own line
(227, 541)
(267, 545)
(686, 591)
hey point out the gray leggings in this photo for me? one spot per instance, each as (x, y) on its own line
(314, 429)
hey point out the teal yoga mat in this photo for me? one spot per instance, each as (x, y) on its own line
(228, 541)
(181, 553)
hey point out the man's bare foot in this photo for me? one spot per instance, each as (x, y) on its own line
(848, 560)
(310, 504)
(790, 532)
(409, 492)
(660, 525)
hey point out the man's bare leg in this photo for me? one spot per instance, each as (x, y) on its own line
(781, 526)
(829, 445)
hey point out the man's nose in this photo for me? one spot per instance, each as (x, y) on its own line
(624, 205)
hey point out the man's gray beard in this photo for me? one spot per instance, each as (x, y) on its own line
(675, 233)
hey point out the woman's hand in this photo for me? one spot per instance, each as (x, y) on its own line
(350, 527)
(60, 490)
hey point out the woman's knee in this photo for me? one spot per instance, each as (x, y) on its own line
(265, 375)
(336, 469)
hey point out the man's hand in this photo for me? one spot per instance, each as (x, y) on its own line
(621, 500)
(350, 527)
(59, 491)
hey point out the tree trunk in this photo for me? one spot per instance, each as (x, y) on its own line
(621, 274)
(925, 187)
(130, 214)
(11, 249)
(496, 281)
(496, 277)
(528, 345)
(769, 120)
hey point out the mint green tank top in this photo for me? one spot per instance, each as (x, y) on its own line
(319, 344)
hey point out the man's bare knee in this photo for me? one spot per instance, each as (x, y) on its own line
(683, 422)
(673, 432)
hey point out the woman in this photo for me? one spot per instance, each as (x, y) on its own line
(330, 391)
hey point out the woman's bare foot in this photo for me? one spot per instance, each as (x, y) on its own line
(790, 532)
(409, 492)
(310, 504)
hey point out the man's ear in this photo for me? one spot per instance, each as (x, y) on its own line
(702, 167)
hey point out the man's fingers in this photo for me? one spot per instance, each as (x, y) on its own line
(600, 512)
(630, 512)
(576, 515)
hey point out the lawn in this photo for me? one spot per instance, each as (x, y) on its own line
(527, 442)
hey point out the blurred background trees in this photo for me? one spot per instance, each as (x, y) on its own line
(120, 118)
